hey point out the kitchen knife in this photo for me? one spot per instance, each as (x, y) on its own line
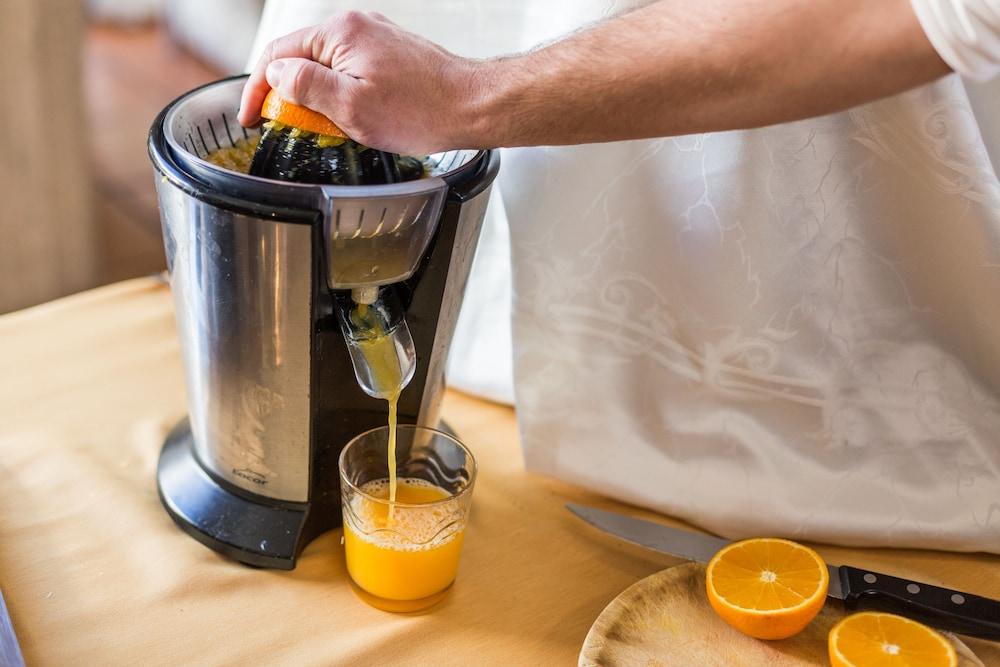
(942, 608)
(10, 652)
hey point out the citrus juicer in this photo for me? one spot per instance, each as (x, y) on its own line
(276, 286)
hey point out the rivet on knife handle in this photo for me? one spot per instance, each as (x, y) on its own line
(941, 608)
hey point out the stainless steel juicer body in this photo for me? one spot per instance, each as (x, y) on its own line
(257, 268)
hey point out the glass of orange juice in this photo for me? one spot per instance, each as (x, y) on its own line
(402, 556)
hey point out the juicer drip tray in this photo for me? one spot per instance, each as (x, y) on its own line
(263, 534)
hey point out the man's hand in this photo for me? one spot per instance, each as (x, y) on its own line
(385, 87)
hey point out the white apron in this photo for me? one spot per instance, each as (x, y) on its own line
(788, 331)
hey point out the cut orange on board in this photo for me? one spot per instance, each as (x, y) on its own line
(872, 639)
(277, 108)
(767, 588)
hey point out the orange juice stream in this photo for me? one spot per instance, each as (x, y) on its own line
(393, 401)
(383, 362)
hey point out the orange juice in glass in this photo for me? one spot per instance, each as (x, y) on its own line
(405, 558)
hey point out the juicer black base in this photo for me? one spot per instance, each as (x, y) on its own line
(257, 531)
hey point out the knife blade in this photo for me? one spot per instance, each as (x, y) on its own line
(858, 588)
(10, 652)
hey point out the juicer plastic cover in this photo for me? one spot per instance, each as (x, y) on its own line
(393, 223)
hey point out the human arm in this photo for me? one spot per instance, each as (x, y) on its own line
(670, 68)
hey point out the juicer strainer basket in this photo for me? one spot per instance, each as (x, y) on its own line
(376, 234)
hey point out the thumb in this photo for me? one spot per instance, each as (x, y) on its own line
(307, 83)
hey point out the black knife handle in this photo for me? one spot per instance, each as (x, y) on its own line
(941, 608)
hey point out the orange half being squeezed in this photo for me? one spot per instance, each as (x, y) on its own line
(281, 110)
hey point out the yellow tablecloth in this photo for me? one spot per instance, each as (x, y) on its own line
(95, 572)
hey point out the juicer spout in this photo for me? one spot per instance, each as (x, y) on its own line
(364, 295)
(378, 340)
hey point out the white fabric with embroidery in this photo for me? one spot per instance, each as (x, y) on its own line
(786, 331)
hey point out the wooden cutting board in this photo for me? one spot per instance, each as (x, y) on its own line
(665, 621)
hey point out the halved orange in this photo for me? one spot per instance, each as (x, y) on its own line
(873, 639)
(278, 108)
(767, 588)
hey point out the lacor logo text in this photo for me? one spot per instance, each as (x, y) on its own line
(250, 476)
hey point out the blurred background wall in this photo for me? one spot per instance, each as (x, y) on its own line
(82, 82)
(47, 232)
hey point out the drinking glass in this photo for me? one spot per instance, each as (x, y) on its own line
(403, 556)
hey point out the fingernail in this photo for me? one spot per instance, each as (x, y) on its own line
(273, 73)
